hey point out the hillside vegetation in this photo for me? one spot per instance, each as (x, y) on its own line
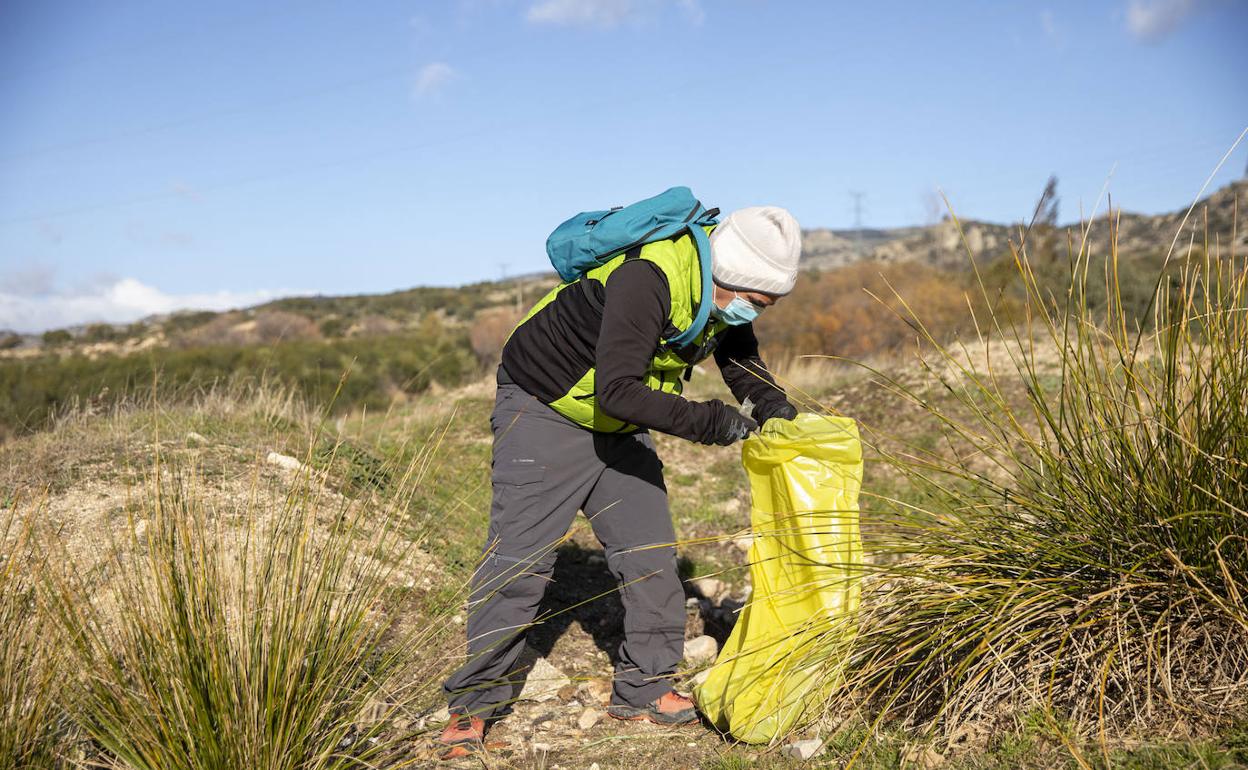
(401, 343)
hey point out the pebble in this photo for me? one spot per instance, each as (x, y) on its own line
(709, 587)
(701, 677)
(285, 462)
(543, 682)
(541, 748)
(594, 766)
(140, 528)
(701, 649)
(744, 543)
(588, 718)
(804, 749)
(594, 691)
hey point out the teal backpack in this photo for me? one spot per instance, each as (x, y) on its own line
(591, 238)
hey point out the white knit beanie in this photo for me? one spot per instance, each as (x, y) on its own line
(757, 249)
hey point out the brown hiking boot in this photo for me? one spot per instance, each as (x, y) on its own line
(464, 735)
(670, 709)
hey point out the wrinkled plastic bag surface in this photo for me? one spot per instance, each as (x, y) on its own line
(805, 566)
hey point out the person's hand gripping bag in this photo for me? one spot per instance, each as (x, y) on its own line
(805, 565)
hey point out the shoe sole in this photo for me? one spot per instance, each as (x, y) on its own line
(459, 751)
(650, 718)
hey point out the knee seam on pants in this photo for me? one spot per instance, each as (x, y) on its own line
(645, 549)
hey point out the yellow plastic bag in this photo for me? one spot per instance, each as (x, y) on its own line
(805, 565)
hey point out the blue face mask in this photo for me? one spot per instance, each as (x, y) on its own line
(738, 313)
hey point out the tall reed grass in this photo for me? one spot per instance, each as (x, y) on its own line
(1079, 544)
(31, 721)
(232, 632)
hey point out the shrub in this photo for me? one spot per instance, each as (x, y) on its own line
(30, 674)
(1080, 544)
(490, 329)
(838, 312)
(236, 637)
(380, 370)
(57, 338)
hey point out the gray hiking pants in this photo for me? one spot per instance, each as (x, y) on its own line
(545, 469)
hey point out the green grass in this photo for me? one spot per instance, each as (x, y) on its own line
(380, 369)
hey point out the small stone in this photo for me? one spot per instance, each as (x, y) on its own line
(140, 528)
(732, 505)
(567, 692)
(285, 462)
(804, 750)
(541, 748)
(692, 603)
(543, 682)
(701, 649)
(458, 620)
(594, 766)
(709, 587)
(195, 439)
(594, 691)
(744, 543)
(701, 677)
(439, 717)
(588, 718)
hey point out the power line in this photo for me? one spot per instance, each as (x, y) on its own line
(481, 130)
(858, 196)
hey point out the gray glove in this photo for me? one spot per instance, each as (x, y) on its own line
(728, 426)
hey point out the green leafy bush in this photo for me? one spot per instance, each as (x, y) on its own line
(378, 369)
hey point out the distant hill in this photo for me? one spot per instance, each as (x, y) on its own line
(1224, 213)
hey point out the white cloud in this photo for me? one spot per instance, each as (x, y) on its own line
(693, 9)
(606, 13)
(1154, 20)
(1048, 23)
(433, 77)
(602, 13)
(116, 301)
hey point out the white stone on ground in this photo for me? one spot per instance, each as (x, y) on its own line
(588, 718)
(709, 587)
(804, 749)
(285, 462)
(543, 682)
(701, 649)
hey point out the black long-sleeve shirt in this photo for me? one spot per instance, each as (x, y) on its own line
(637, 306)
(552, 350)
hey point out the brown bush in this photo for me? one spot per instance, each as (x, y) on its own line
(490, 329)
(373, 326)
(237, 328)
(834, 312)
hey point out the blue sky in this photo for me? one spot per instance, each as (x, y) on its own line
(156, 155)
